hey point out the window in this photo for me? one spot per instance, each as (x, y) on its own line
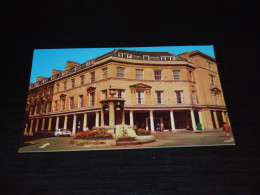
(167, 58)
(104, 94)
(57, 87)
(72, 83)
(92, 77)
(62, 104)
(216, 99)
(210, 66)
(65, 85)
(37, 109)
(191, 76)
(194, 97)
(159, 97)
(146, 57)
(56, 106)
(139, 74)
(92, 99)
(120, 93)
(179, 97)
(176, 74)
(212, 80)
(104, 73)
(50, 90)
(82, 78)
(44, 92)
(120, 72)
(80, 103)
(71, 102)
(157, 74)
(140, 97)
(48, 107)
(124, 55)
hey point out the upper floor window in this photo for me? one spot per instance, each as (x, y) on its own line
(194, 97)
(139, 74)
(63, 104)
(72, 83)
(104, 73)
(92, 77)
(176, 74)
(216, 99)
(191, 78)
(104, 94)
(44, 92)
(157, 74)
(167, 58)
(120, 93)
(82, 79)
(71, 102)
(159, 97)
(57, 87)
(212, 79)
(92, 99)
(210, 66)
(146, 57)
(48, 107)
(80, 101)
(179, 97)
(56, 105)
(140, 97)
(124, 55)
(120, 72)
(50, 90)
(65, 85)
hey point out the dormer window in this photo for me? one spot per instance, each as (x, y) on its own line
(167, 58)
(124, 55)
(146, 57)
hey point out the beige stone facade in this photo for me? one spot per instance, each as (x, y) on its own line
(177, 91)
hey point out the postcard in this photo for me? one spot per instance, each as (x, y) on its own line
(125, 98)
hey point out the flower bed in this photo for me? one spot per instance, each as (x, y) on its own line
(93, 135)
(142, 132)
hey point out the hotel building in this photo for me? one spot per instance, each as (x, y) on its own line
(154, 87)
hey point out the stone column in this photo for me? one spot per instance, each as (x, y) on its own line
(123, 116)
(43, 123)
(131, 118)
(37, 124)
(111, 114)
(57, 122)
(151, 120)
(85, 125)
(193, 120)
(216, 119)
(49, 126)
(228, 121)
(172, 120)
(31, 128)
(97, 119)
(65, 122)
(102, 117)
(223, 117)
(201, 119)
(25, 130)
(146, 124)
(74, 124)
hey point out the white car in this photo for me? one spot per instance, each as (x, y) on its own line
(62, 132)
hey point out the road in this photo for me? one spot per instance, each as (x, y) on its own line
(163, 139)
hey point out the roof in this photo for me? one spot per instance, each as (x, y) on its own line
(197, 52)
(141, 53)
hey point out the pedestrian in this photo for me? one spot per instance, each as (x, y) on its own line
(162, 126)
(226, 128)
(199, 126)
(157, 127)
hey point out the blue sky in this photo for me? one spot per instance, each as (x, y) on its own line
(45, 60)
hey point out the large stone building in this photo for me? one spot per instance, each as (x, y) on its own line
(177, 90)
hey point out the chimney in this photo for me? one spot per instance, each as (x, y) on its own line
(40, 78)
(55, 72)
(71, 64)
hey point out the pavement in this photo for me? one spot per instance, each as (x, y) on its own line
(180, 138)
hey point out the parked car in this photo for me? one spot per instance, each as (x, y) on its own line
(42, 133)
(62, 132)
